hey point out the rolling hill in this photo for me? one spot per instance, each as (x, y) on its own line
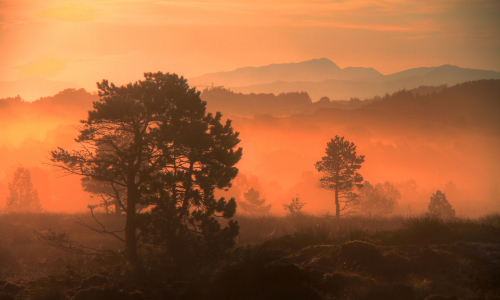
(311, 70)
(322, 77)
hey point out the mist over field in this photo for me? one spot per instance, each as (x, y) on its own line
(446, 140)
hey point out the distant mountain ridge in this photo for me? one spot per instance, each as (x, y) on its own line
(318, 77)
(322, 77)
(310, 70)
(344, 89)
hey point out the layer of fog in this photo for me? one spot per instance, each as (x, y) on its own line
(417, 155)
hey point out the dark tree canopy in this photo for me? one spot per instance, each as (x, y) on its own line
(253, 204)
(284, 103)
(339, 168)
(440, 206)
(111, 199)
(23, 197)
(152, 144)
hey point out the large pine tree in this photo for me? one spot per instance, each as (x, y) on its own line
(154, 144)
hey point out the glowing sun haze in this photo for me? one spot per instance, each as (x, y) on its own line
(86, 41)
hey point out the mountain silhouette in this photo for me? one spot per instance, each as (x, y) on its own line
(322, 77)
(310, 70)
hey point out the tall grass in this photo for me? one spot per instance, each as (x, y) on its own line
(430, 229)
(299, 231)
(23, 255)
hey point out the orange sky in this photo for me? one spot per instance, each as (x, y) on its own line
(86, 41)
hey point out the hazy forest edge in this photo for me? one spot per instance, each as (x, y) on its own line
(408, 122)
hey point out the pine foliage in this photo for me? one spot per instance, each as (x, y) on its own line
(254, 205)
(440, 206)
(23, 196)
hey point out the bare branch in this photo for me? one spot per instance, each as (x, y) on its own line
(100, 231)
(61, 241)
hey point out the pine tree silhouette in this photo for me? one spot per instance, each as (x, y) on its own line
(252, 203)
(23, 196)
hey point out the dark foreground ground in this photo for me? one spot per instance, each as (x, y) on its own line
(305, 257)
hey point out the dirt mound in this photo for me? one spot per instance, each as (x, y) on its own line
(11, 288)
(6, 297)
(361, 255)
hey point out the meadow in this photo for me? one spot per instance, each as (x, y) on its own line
(296, 256)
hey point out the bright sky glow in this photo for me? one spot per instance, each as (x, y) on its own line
(85, 41)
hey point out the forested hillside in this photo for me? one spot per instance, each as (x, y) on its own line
(475, 102)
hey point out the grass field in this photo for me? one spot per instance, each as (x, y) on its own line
(300, 257)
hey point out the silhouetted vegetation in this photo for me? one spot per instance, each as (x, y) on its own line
(61, 105)
(154, 144)
(294, 207)
(276, 257)
(340, 172)
(379, 199)
(23, 197)
(185, 252)
(219, 98)
(253, 204)
(440, 206)
(465, 104)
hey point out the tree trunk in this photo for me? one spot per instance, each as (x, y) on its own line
(337, 204)
(130, 229)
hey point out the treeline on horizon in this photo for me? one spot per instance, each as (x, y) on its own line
(64, 102)
(473, 99)
(220, 98)
(469, 103)
(473, 103)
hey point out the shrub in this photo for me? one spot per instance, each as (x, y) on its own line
(440, 206)
(428, 228)
(294, 207)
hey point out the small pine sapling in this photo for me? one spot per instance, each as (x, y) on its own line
(295, 206)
